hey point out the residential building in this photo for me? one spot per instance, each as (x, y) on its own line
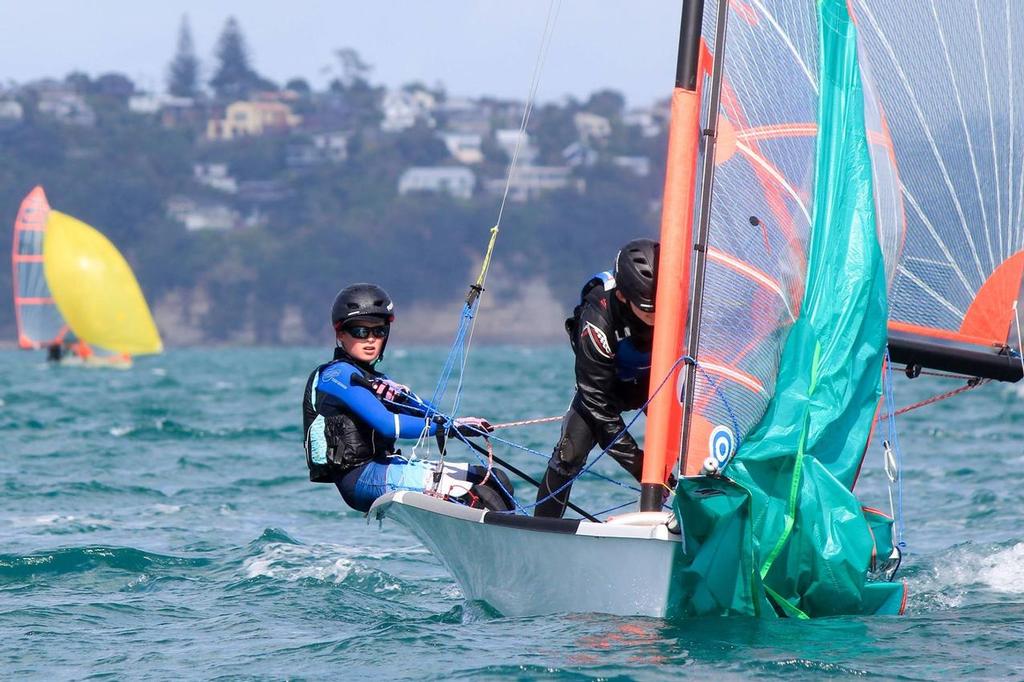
(591, 126)
(67, 107)
(508, 138)
(317, 149)
(202, 215)
(463, 115)
(457, 181)
(215, 175)
(252, 118)
(464, 147)
(155, 102)
(531, 181)
(11, 112)
(579, 154)
(645, 120)
(637, 165)
(402, 109)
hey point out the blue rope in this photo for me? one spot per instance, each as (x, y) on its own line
(430, 411)
(608, 511)
(456, 351)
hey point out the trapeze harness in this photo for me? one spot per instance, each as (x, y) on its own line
(350, 439)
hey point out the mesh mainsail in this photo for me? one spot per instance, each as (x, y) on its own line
(38, 320)
(952, 103)
(761, 210)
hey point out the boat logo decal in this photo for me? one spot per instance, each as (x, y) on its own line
(598, 339)
(721, 444)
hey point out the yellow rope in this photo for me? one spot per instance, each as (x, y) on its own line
(487, 258)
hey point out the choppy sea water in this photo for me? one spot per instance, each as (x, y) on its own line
(158, 523)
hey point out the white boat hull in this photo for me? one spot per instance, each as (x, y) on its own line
(523, 566)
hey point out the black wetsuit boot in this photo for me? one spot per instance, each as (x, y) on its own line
(554, 506)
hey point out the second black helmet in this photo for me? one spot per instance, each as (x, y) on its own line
(361, 300)
(636, 272)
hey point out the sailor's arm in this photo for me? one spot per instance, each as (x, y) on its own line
(364, 405)
(596, 381)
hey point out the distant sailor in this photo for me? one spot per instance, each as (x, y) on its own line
(611, 331)
(352, 415)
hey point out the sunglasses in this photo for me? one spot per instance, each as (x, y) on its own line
(361, 332)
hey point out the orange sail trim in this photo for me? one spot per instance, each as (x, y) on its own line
(989, 319)
(944, 334)
(32, 215)
(990, 315)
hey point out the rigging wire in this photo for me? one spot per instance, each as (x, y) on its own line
(464, 336)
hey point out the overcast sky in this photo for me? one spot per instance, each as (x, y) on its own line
(475, 47)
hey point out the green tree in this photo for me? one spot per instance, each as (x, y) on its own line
(183, 71)
(235, 77)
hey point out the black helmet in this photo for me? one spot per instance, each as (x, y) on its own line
(636, 272)
(361, 300)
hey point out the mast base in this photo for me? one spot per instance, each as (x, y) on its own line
(651, 496)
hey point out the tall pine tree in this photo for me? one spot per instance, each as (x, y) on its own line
(183, 72)
(234, 77)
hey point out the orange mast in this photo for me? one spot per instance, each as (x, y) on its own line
(664, 414)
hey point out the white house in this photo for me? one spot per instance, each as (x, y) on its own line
(457, 181)
(530, 181)
(507, 139)
(637, 165)
(10, 111)
(215, 175)
(154, 102)
(195, 215)
(645, 120)
(591, 126)
(67, 107)
(402, 109)
(464, 147)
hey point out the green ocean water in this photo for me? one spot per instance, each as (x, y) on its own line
(158, 523)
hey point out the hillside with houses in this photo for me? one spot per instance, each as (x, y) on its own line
(244, 204)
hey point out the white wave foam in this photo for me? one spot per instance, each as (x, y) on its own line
(293, 562)
(167, 508)
(1004, 570)
(118, 431)
(969, 567)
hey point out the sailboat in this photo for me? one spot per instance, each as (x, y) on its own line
(799, 260)
(74, 293)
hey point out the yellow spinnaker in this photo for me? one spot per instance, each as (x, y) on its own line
(95, 289)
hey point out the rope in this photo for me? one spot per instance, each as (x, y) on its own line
(527, 422)
(625, 429)
(974, 383)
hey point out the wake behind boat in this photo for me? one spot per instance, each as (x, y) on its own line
(794, 227)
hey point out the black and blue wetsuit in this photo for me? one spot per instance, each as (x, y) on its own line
(350, 434)
(613, 373)
(350, 437)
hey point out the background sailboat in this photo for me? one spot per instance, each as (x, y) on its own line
(73, 288)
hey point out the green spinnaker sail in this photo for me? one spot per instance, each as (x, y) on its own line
(782, 532)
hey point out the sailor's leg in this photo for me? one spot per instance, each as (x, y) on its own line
(363, 484)
(569, 456)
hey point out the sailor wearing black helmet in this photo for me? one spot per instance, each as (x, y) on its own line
(611, 331)
(352, 415)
